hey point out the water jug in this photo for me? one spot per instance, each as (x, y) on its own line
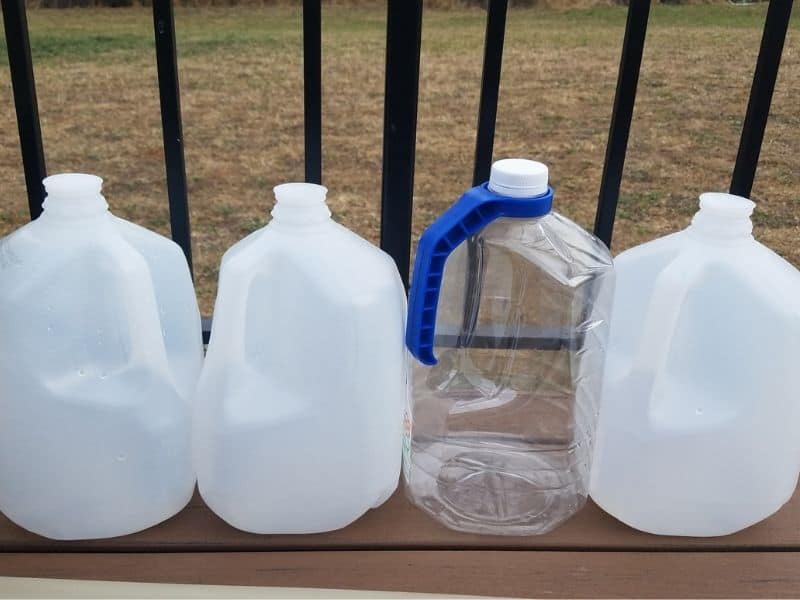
(699, 429)
(508, 321)
(298, 417)
(100, 349)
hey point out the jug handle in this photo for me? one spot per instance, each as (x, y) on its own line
(135, 279)
(478, 207)
(236, 276)
(668, 298)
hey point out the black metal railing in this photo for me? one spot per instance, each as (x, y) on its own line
(403, 38)
(171, 125)
(312, 88)
(22, 82)
(766, 73)
(490, 88)
(621, 117)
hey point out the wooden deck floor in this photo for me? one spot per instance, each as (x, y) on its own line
(398, 548)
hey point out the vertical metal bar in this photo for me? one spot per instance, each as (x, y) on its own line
(627, 80)
(766, 73)
(490, 89)
(312, 88)
(484, 145)
(30, 135)
(403, 37)
(169, 93)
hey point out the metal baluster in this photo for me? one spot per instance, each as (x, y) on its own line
(484, 145)
(403, 37)
(169, 93)
(312, 88)
(490, 89)
(766, 73)
(30, 135)
(627, 80)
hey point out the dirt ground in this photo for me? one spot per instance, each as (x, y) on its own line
(241, 80)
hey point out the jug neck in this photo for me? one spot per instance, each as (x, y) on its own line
(73, 197)
(300, 204)
(723, 217)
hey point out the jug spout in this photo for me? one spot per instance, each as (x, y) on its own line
(300, 204)
(723, 217)
(74, 196)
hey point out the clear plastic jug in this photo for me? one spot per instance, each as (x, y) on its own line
(298, 419)
(100, 349)
(508, 322)
(699, 430)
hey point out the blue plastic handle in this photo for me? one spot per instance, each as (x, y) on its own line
(477, 208)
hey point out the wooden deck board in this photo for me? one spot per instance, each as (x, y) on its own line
(517, 573)
(398, 548)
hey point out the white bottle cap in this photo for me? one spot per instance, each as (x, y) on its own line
(518, 178)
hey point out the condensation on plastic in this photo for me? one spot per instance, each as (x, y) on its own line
(100, 349)
(698, 434)
(499, 433)
(298, 416)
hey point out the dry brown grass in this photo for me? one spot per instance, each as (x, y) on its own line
(241, 78)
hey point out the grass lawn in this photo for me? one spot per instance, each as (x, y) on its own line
(241, 80)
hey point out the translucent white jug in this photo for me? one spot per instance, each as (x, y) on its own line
(506, 387)
(298, 421)
(699, 430)
(100, 349)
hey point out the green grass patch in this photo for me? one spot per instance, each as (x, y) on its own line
(85, 34)
(635, 206)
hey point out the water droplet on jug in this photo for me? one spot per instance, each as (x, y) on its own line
(81, 372)
(49, 308)
(698, 411)
(103, 375)
(122, 457)
(49, 329)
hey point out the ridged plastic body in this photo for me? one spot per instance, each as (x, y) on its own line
(100, 348)
(699, 429)
(500, 430)
(299, 407)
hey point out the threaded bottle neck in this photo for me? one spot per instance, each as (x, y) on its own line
(723, 217)
(300, 204)
(74, 196)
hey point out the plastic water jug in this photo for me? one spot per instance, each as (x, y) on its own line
(298, 422)
(508, 322)
(100, 349)
(699, 430)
